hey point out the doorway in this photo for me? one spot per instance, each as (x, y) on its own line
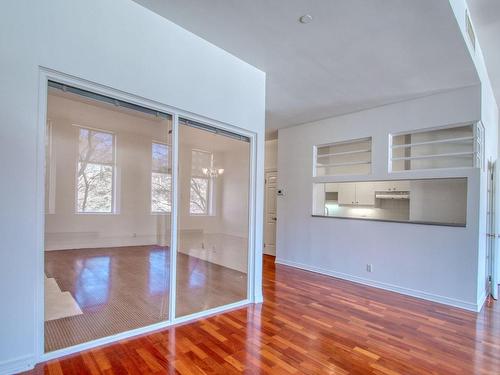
(492, 258)
(270, 213)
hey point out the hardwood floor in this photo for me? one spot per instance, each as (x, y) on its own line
(119, 289)
(310, 324)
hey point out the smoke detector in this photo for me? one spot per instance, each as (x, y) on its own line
(306, 18)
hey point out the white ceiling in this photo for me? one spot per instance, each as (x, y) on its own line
(356, 54)
(485, 15)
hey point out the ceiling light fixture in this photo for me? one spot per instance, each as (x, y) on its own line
(212, 172)
(306, 18)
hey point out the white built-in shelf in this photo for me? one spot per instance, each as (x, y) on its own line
(345, 153)
(342, 164)
(343, 158)
(450, 140)
(449, 155)
(459, 146)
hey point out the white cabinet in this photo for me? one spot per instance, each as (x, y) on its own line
(365, 193)
(392, 186)
(331, 188)
(347, 193)
(362, 193)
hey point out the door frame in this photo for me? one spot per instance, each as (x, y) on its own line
(493, 228)
(46, 74)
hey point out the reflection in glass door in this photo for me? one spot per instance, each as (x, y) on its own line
(108, 215)
(213, 212)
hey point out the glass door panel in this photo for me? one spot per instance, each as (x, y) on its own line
(212, 250)
(107, 225)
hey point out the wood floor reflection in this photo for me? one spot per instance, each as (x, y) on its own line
(119, 289)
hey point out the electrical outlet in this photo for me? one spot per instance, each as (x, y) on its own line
(369, 268)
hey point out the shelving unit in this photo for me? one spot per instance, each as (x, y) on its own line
(451, 147)
(343, 158)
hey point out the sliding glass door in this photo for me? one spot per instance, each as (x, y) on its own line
(111, 263)
(212, 245)
(107, 217)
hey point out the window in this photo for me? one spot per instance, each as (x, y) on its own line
(95, 174)
(201, 184)
(343, 158)
(161, 179)
(453, 147)
(50, 170)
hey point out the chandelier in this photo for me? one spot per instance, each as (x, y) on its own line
(212, 172)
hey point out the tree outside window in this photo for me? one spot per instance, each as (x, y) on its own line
(201, 185)
(95, 173)
(161, 179)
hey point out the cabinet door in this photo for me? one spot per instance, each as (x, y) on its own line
(331, 187)
(392, 185)
(365, 193)
(347, 193)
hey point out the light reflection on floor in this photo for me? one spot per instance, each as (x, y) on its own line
(158, 281)
(92, 285)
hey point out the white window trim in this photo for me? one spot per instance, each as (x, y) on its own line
(50, 185)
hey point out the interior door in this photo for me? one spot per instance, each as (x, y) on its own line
(270, 214)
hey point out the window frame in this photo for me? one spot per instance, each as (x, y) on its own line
(112, 164)
(169, 150)
(50, 169)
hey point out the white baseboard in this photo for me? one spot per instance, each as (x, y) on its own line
(17, 365)
(101, 243)
(476, 307)
(482, 300)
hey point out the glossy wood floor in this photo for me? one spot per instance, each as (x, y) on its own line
(123, 288)
(310, 324)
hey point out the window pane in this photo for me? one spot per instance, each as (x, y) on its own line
(198, 196)
(95, 187)
(95, 146)
(160, 158)
(200, 160)
(160, 192)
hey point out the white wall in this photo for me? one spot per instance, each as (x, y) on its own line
(234, 217)
(439, 201)
(433, 262)
(133, 223)
(490, 118)
(119, 45)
